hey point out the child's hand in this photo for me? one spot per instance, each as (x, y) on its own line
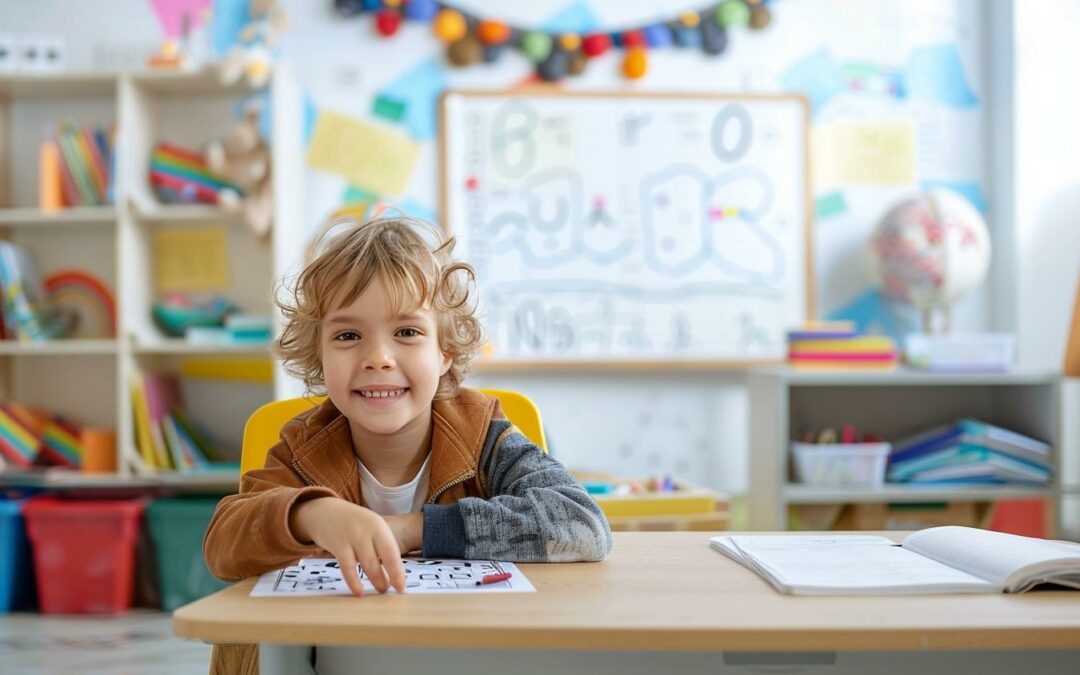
(352, 534)
(408, 529)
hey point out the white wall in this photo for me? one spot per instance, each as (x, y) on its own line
(1046, 211)
(1046, 214)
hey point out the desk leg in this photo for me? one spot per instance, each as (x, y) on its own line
(284, 659)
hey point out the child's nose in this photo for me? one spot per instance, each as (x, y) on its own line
(378, 357)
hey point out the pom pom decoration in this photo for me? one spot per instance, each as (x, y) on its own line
(536, 46)
(470, 38)
(465, 51)
(596, 44)
(635, 63)
(387, 22)
(492, 32)
(449, 25)
(421, 10)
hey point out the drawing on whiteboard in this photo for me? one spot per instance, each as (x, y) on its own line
(613, 228)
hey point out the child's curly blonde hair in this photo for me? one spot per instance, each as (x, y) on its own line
(348, 254)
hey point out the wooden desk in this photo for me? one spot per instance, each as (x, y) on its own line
(657, 593)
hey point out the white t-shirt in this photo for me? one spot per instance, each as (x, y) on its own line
(395, 501)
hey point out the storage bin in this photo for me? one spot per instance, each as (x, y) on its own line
(16, 562)
(850, 464)
(84, 553)
(176, 530)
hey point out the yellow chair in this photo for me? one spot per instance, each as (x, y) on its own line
(262, 428)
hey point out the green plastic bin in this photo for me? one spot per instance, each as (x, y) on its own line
(176, 529)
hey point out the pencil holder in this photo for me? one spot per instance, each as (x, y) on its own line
(851, 464)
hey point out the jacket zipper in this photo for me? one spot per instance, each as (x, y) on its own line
(460, 479)
(296, 467)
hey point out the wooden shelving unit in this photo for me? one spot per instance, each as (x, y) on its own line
(785, 401)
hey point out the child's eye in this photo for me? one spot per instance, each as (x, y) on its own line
(409, 333)
(347, 335)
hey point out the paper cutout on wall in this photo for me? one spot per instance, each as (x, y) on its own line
(417, 94)
(170, 14)
(830, 204)
(874, 314)
(817, 77)
(369, 156)
(190, 259)
(576, 17)
(969, 189)
(863, 154)
(936, 73)
(311, 114)
(372, 206)
(230, 17)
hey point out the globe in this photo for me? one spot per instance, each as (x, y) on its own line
(929, 250)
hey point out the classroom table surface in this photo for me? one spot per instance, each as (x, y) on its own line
(655, 591)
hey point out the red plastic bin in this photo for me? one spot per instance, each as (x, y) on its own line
(84, 553)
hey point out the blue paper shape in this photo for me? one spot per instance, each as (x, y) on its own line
(936, 73)
(311, 114)
(418, 210)
(577, 17)
(969, 189)
(229, 17)
(874, 314)
(817, 76)
(419, 90)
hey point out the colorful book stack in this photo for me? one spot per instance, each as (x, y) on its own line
(970, 451)
(29, 436)
(84, 161)
(837, 345)
(180, 175)
(164, 434)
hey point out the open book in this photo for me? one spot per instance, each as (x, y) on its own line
(948, 559)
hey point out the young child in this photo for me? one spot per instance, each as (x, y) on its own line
(400, 457)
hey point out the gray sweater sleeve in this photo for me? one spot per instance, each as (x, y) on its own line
(537, 511)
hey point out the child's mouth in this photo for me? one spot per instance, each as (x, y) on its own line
(381, 396)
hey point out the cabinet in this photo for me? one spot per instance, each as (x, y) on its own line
(784, 402)
(88, 380)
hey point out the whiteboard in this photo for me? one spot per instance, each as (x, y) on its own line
(609, 227)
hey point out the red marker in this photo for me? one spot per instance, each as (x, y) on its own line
(493, 578)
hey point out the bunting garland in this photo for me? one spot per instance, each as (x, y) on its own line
(471, 39)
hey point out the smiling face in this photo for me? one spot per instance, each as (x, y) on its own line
(382, 365)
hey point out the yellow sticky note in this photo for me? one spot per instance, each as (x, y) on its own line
(191, 259)
(863, 154)
(372, 157)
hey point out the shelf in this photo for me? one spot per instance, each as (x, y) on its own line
(58, 347)
(204, 214)
(908, 377)
(188, 83)
(68, 217)
(179, 346)
(814, 494)
(224, 480)
(59, 85)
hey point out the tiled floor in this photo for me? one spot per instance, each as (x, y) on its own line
(138, 643)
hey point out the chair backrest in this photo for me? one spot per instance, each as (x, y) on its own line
(262, 428)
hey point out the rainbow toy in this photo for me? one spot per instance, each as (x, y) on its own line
(60, 443)
(181, 175)
(87, 297)
(20, 441)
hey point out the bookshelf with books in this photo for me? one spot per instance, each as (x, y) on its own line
(896, 406)
(102, 219)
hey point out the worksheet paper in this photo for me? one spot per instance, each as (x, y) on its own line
(322, 576)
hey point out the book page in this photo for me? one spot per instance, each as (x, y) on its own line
(1014, 562)
(846, 565)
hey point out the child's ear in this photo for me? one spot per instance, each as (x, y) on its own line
(447, 361)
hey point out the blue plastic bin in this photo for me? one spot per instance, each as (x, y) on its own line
(16, 559)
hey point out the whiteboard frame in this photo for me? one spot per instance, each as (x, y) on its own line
(484, 364)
